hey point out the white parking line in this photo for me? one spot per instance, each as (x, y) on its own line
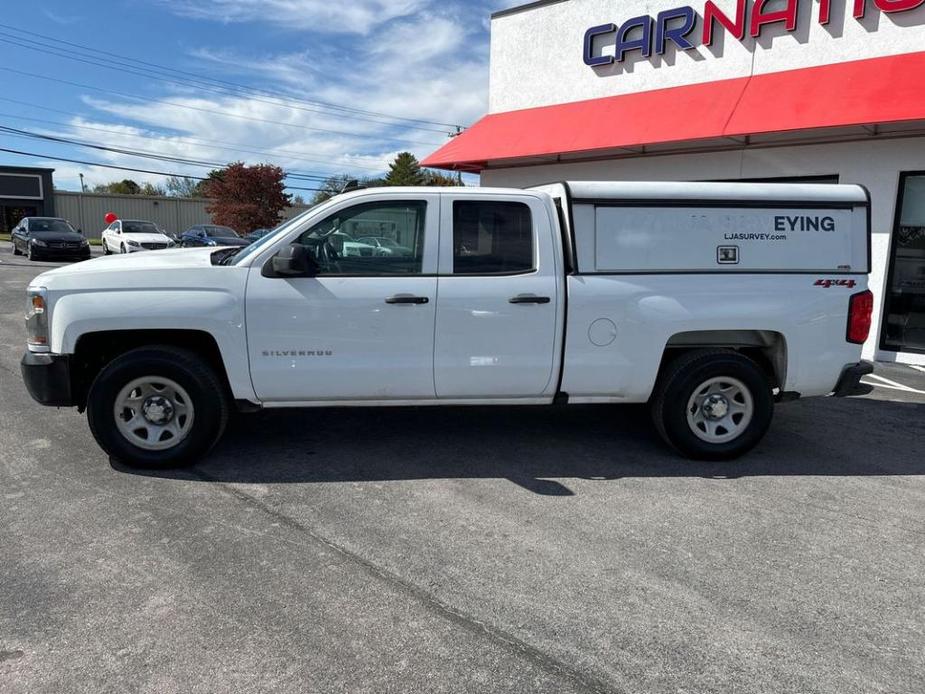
(892, 385)
(917, 368)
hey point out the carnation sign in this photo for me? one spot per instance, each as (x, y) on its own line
(652, 35)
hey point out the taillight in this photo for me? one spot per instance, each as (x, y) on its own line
(860, 314)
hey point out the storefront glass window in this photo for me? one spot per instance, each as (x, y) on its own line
(904, 317)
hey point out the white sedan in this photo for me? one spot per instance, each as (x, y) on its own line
(132, 236)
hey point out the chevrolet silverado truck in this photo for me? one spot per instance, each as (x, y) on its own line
(709, 301)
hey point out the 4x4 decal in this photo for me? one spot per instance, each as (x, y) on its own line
(850, 284)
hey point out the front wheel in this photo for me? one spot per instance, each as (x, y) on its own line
(157, 407)
(30, 253)
(16, 251)
(713, 405)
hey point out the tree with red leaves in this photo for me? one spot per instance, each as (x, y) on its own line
(246, 197)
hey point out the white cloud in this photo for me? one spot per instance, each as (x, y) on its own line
(429, 61)
(63, 20)
(353, 17)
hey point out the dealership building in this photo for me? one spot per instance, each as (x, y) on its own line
(722, 90)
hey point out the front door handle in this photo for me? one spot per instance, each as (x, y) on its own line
(407, 299)
(531, 299)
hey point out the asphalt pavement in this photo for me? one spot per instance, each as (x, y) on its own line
(464, 550)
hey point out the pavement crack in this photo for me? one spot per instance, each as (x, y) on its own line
(464, 620)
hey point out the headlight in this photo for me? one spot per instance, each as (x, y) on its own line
(39, 243)
(37, 319)
(133, 244)
(84, 243)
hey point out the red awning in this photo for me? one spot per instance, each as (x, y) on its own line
(864, 92)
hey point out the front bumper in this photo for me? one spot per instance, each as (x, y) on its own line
(61, 253)
(48, 379)
(850, 382)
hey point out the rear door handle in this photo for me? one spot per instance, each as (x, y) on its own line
(531, 299)
(407, 299)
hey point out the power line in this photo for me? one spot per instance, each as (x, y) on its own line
(147, 100)
(144, 154)
(131, 152)
(124, 168)
(225, 91)
(15, 132)
(296, 156)
(93, 51)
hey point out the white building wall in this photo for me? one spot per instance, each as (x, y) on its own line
(537, 53)
(875, 164)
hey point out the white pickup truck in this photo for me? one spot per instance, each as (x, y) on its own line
(709, 301)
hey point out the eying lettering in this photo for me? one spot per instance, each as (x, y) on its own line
(803, 223)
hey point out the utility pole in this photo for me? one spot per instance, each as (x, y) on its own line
(458, 173)
(83, 187)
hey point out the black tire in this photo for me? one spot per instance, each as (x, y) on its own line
(676, 387)
(106, 250)
(204, 387)
(30, 253)
(122, 249)
(16, 251)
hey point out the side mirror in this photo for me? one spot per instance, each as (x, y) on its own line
(292, 261)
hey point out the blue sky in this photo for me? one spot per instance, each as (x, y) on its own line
(325, 71)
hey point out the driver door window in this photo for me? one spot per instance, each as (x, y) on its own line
(373, 239)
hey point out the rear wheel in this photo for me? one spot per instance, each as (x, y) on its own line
(157, 407)
(713, 405)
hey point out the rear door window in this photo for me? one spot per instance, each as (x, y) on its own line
(492, 238)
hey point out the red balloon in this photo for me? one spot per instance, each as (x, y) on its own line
(110, 217)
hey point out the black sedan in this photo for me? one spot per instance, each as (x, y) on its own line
(211, 235)
(49, 238)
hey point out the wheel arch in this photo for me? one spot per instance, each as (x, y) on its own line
(767, 347)
(94, 350)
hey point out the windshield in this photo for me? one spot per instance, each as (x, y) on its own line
(255, 247)
(221, 232)
(40, 225)
(139, 228)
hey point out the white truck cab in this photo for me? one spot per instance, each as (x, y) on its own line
(709, 301)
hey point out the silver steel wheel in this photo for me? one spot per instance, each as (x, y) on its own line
(720, 410)
(154, 413)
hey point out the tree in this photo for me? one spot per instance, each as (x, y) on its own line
(335, 185)
(152, 190)
(246, 197)
(124, 187)
(183, 187)
(435, 178)
(405, 171)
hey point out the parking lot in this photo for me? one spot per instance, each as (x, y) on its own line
(464, 550)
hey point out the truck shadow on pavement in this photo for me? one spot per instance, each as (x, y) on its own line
(541, 448)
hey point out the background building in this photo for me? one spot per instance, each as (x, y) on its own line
(787, 90)
(24, 192)
(29, 192)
